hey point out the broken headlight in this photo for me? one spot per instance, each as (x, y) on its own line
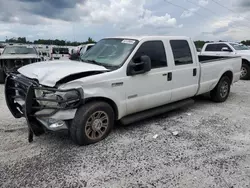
(60, 99)
(67, 99)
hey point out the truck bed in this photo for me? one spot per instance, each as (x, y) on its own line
(213, 67)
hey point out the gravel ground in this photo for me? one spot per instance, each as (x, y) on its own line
(211, 150)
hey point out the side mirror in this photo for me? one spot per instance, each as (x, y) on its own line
(226, 49)
(143, 66)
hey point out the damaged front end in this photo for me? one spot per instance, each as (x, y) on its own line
(44, 108)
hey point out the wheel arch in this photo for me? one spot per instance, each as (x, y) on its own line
(107, 100)
(245, 61)
(229, 74)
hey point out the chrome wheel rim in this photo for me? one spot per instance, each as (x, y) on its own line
(224, 89)
(97, 125)
(243, 72)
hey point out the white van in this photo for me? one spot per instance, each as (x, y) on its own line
(59, 53)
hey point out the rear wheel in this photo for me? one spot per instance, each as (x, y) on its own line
(2, 76)
(245, 72)
(92, 123)
(221, 92)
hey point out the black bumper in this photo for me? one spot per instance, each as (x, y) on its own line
(18, 87)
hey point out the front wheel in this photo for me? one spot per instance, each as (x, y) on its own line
(245, 72)
(92, 123)
(221, 92)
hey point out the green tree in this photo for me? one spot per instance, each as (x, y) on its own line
(90, 40)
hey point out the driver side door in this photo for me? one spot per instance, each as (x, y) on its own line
(153, 88)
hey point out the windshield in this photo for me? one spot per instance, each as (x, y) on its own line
(19, 50)
(239, 46)
(60, 51)
(109, 52)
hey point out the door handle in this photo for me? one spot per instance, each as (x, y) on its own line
(169, 76)
(194, 72)
(165, 74)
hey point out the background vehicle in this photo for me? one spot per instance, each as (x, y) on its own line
(13, 57)
(44, 55)
(231, 49)
(59, 53)
(81, 51)
(84, 48)
(120, 79)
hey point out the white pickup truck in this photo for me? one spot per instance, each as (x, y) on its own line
(230, 49)
(122, 79)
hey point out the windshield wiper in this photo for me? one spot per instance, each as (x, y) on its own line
(93, 62)
(100, 64)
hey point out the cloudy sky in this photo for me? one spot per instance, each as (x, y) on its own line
(80, 19)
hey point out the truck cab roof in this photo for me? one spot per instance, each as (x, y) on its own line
(156, 37)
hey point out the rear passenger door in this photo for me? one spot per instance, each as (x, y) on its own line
(185, 71)
(151, 89)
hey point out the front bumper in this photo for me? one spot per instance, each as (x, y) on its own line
(23, 102)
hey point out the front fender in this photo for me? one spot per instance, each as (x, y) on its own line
(102, 90)
(246, 58)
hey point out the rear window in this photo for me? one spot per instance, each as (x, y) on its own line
(19, 50)
(89, 47)
(211, 47)
(60, 51)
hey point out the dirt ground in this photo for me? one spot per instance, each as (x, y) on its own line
(212, 149)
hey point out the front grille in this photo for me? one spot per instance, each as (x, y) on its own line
(16, 89)
(19, 87)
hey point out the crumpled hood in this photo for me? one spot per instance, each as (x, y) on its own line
(19, 56)
(50, 72)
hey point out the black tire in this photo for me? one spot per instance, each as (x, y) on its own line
(86, 121)
(221, 92)
(245, 72)
(2, 76)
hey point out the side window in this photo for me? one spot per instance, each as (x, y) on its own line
(89, 47)
(211, 48)
(220, 46)
(181, 51)
(155, 50)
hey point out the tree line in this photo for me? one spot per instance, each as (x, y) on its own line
(49, 41)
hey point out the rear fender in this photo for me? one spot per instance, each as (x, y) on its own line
(222, 73)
